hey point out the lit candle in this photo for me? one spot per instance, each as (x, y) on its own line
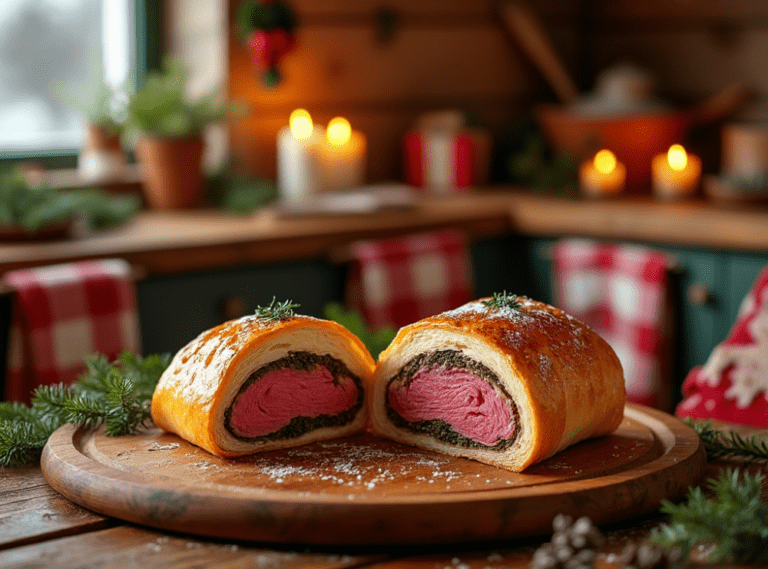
(342, 156)
(603, 175)
(298, 173)
(676, 173)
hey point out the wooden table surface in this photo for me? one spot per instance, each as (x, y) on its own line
(40, 528)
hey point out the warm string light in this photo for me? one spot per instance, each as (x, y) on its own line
(677, 157)
(339, 131)
(301, 124)
(605, 162)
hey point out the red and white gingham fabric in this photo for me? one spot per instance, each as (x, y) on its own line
(621, 292)
(733, 385)
(63, 313)
(394, 282)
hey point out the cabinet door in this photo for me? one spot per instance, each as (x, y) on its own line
(175, 309)
(743, 269)
(701, 295)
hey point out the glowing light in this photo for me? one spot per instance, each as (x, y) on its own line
(605, 162)
(677, 157)
(300, 124)
(339, 131)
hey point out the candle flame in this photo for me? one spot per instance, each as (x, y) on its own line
(677, 157)
(300, 124)
(339, 131)
(605, 162)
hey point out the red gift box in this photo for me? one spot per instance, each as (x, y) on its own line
(446, 161)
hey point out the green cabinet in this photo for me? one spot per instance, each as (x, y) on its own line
(706, 289)
(175, 309)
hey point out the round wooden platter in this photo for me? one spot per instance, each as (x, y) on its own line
(363, 490)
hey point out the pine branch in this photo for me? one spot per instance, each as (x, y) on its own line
(21, 442)
(735, 522)
(118, 394)
(732, 444)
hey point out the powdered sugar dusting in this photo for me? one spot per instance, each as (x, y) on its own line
(347, 467)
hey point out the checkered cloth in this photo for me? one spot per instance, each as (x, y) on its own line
(394, 282)
(733, 385)
(63, 313)
(621, 292)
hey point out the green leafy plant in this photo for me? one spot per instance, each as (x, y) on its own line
(163, 108)
(734, 523)
(236, 191)
(375, 340)
(276, 311)
(501, 300)
(117, 394)
(100, 103)
(30, 207)
(731, 445)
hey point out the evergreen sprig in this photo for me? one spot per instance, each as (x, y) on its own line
(376, 340)
(734, 523)
(501, 300)
(276, 311)
(118, 394)
(730, 445)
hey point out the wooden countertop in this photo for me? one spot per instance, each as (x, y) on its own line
(177, 241)
(43, 529)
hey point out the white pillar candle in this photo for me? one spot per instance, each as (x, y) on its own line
(298, 172)
(342, 156)
(676, 174)
(603, 175)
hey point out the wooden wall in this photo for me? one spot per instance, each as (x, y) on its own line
(695, 48)
(444, 53)
(455, 53)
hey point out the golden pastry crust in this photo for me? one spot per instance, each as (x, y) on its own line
(565, 381)
(205, 376)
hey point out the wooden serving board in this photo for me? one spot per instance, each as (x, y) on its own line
(365, 490)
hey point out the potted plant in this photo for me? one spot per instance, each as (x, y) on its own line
(103, 107)
(168, 127)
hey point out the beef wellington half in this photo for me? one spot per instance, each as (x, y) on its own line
(257, 384)
(507, 381)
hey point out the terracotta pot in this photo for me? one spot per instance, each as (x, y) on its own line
(172, 171)
(98, 139)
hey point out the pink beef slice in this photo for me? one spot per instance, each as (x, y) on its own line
(470, 405)
(270, 403)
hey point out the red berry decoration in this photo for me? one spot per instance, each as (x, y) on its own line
(267, 29)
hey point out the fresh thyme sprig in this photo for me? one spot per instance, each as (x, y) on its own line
(734, 523)
(118, 394)
(276, 311)
(732, 444)
(502, 300)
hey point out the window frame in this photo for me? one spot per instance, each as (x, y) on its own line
(148, 17)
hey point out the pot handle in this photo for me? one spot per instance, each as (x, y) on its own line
(722, 104)
(526, 29)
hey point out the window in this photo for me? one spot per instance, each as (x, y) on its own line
(51, 47)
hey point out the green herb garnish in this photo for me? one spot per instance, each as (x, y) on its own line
(118, 394)
(276, 311)
(502, 300)
(721, 445)
(375, 340)
(734, 523)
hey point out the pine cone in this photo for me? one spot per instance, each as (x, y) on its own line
(648, 556)
(574, 545)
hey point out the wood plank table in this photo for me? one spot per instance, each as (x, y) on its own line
(40, 528)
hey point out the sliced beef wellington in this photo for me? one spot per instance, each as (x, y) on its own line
(507, 381)
(256, 384)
